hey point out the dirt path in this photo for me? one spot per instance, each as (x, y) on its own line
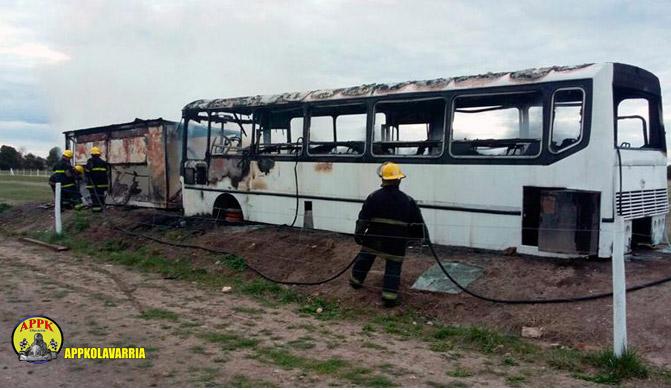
(196, 336)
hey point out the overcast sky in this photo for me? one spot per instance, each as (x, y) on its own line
(73, 64)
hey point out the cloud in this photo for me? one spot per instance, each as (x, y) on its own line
(21, 48)
(35, 138)
(106, 62)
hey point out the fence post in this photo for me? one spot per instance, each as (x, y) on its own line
(57, 209)
(619, 290)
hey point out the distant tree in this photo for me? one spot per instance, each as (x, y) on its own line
(54, 156)
(9, 158)
(30, 161)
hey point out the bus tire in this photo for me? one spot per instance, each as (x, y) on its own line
(227, 209)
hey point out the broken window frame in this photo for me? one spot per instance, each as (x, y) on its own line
(451, 139)
(334, 128)
(552, 120)
(295, 149)
(223, 117)
(417, 144)
(198, 119)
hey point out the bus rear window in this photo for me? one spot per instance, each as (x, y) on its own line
(633, 119)
(501, 125)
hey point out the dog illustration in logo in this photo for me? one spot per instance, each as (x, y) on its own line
(38, 351)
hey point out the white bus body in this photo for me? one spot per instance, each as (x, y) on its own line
(543, 194)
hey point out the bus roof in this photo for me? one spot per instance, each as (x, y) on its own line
(527, 76)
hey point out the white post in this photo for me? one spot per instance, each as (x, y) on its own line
(619, 290)
(57, 209)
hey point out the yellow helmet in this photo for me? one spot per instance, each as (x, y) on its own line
(67, 153)
(79, 169)
(95, 151)
(390, 171)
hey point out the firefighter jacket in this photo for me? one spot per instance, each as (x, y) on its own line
(387, 221)
(97, 173)
(63, 173)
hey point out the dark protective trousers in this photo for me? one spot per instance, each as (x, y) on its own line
(392, 274)
(97, 196)
(70, 195)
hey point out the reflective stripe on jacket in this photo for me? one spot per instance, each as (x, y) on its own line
(388, 220)
(96, 173)
(63, 173)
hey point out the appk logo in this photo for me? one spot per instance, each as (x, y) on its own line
(37, 339)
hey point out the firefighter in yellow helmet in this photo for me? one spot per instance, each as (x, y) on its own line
(97, 175)
(387, 221)
(64, 173)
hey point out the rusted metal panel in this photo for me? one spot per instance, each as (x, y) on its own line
(366, 90)
(144, 160)
(127, 151)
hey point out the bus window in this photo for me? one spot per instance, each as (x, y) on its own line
(280, 131)
(196, 141)
(501, 125)
(633, 129)
(231, 133)
(338, 130)
(409, 128)
(567, 118)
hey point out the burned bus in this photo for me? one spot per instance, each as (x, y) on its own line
(541, 159)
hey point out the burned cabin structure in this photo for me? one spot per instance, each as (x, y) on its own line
(144, 157)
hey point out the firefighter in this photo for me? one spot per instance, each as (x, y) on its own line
(387, 221)
(79, 182)
(97, 179)
(64, 173)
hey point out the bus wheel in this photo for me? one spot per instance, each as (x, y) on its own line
(227, 209)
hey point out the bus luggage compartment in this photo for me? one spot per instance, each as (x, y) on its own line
(569, 221)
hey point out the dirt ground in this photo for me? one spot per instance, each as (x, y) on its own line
(101, 304)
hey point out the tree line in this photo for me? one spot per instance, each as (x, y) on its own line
(11, 158)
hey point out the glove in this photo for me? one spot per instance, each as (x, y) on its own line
(360, 230)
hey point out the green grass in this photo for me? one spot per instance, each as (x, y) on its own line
(4, 207)
(363, 377)
(336, 367)
(159, 314)
(16, 190)
(482, 339)
(515, 380)
(235, 263)
(459, 373)
(613, 370)
(302, 343)
(27, 179)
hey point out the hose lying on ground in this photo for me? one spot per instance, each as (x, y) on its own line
(433, 253)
